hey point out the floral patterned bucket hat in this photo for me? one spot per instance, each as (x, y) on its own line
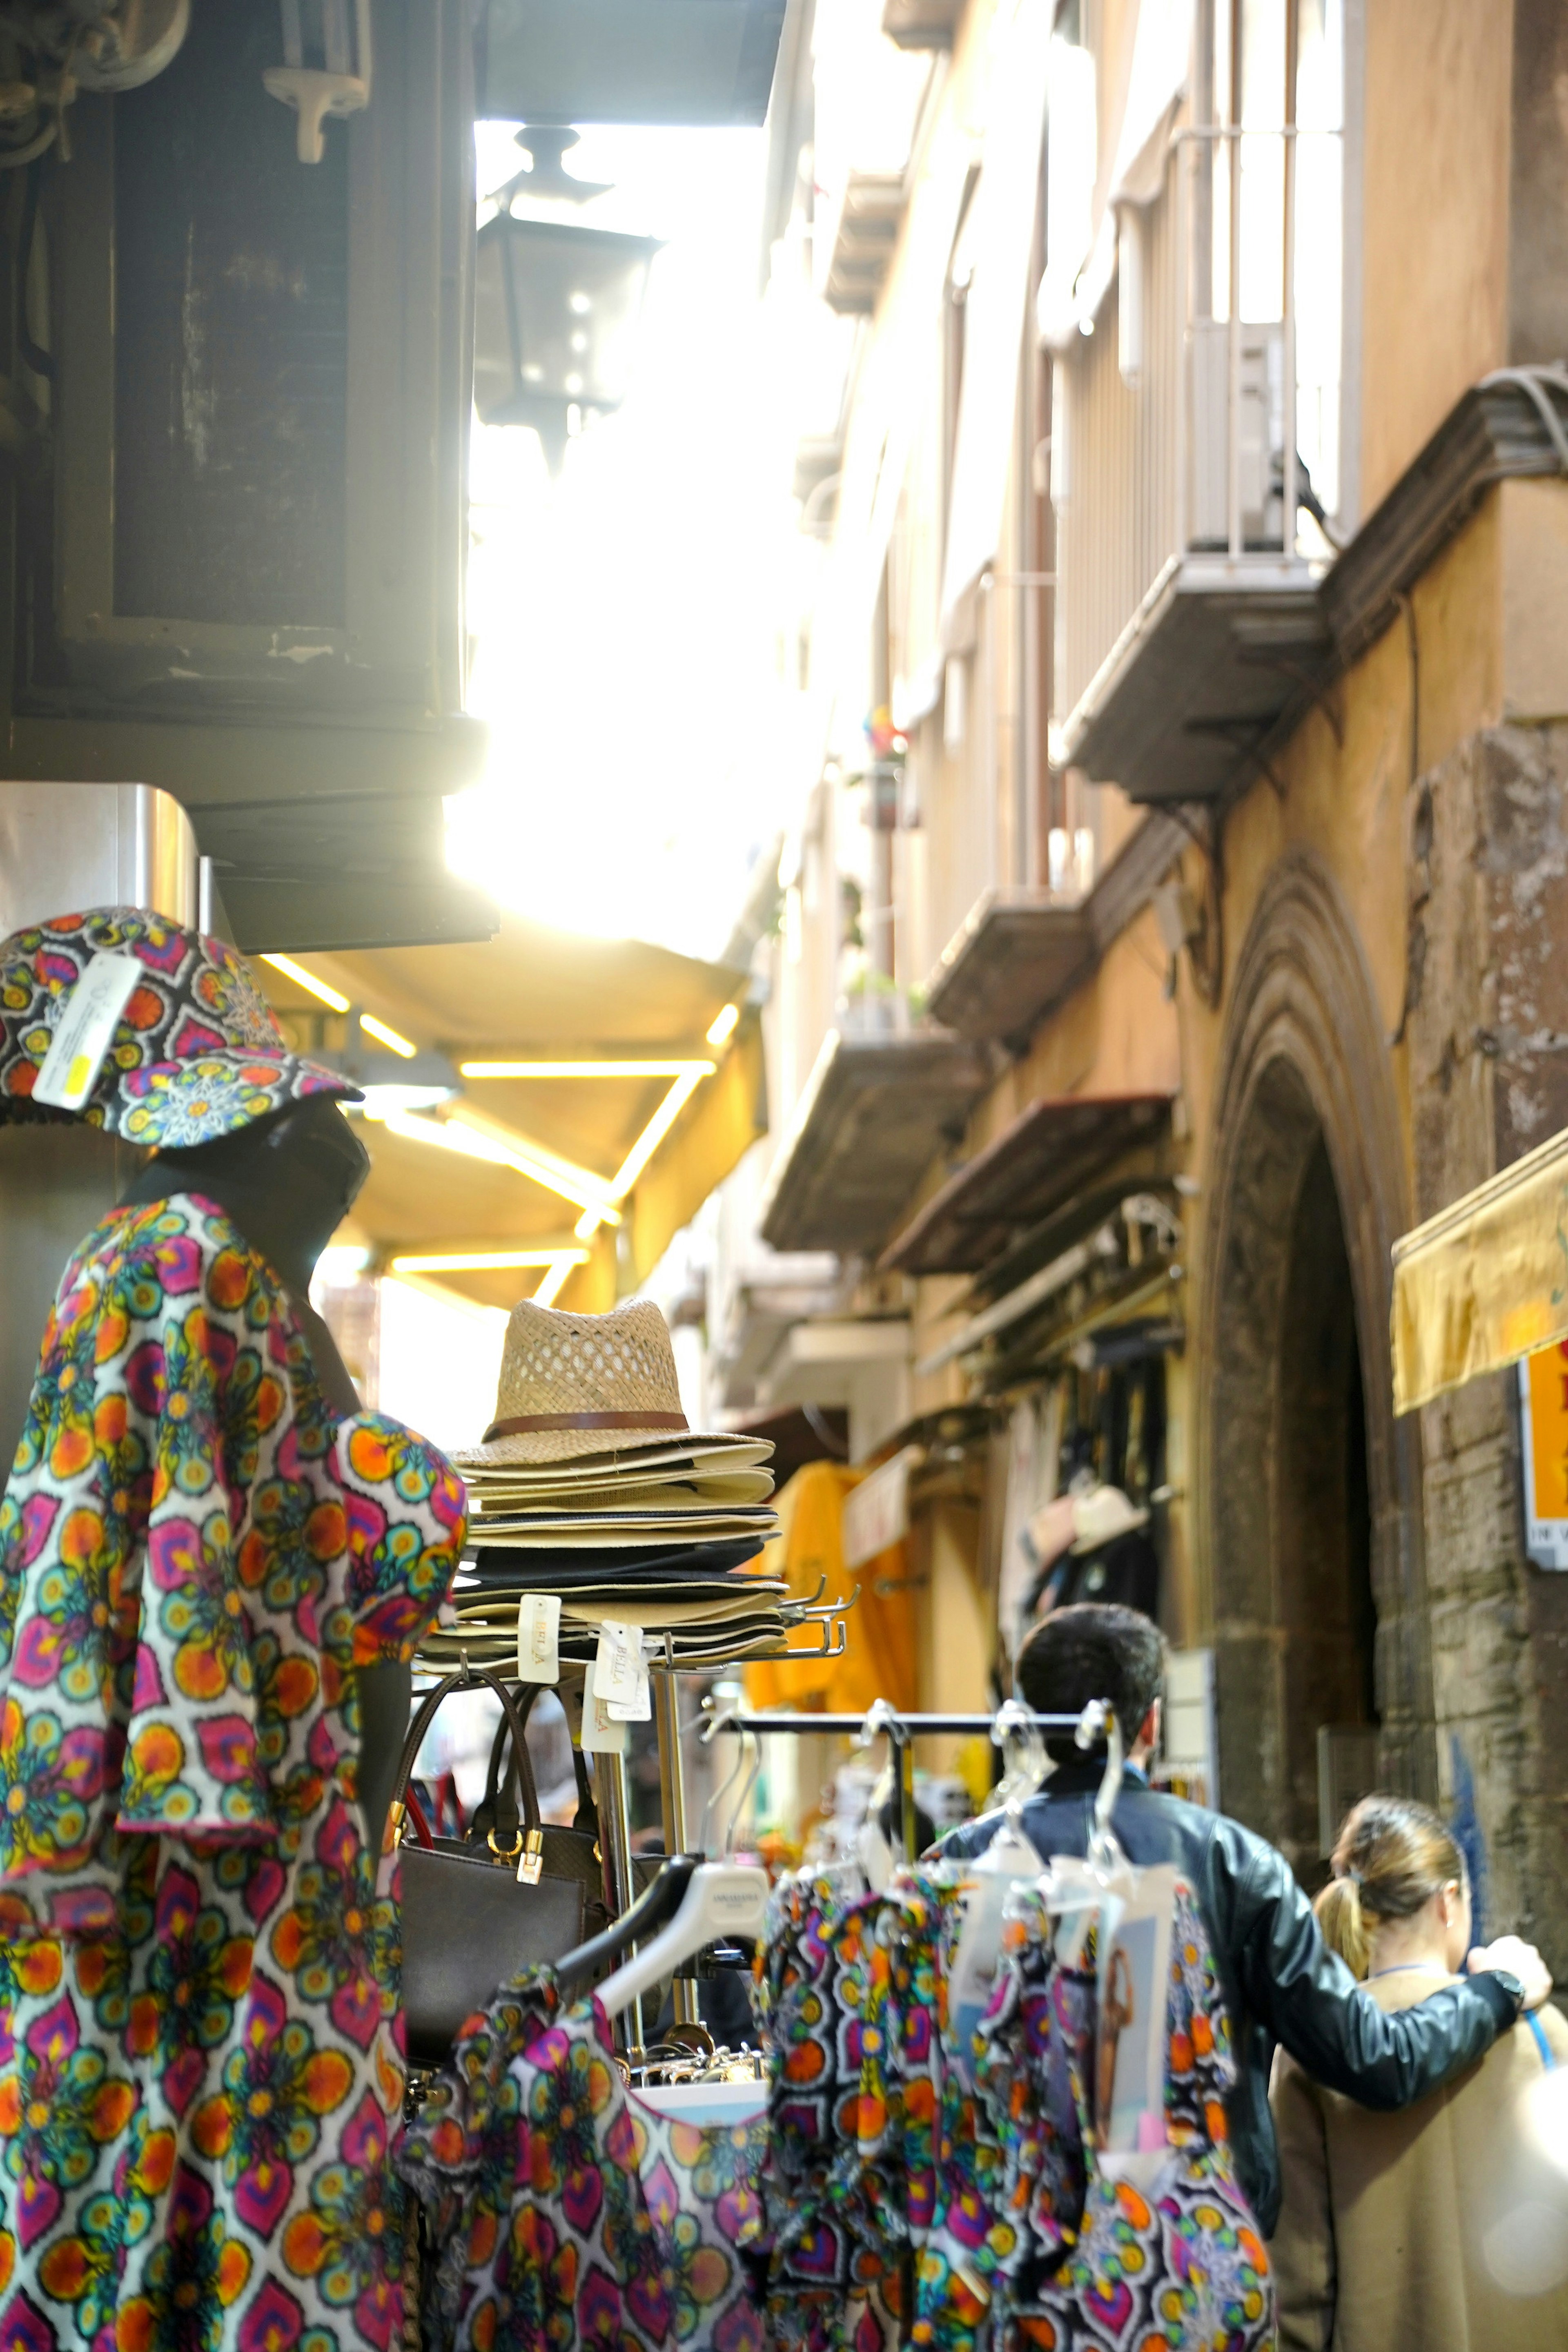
(197, 1051)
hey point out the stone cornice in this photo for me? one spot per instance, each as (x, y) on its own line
(1495, 432)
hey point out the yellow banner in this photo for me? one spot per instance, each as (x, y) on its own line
(1484, 1282)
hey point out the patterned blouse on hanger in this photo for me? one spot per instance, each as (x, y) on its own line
(564, 2211)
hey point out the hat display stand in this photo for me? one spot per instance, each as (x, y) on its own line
(594, 1503)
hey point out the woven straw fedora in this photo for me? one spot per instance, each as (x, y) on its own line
(572, 1385)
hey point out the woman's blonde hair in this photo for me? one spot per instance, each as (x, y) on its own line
(1391, 1857)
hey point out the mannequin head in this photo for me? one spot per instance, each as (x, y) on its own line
(288, 1181)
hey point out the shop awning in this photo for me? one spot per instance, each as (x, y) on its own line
(604, 1089)
(1485, 1281)
(873, 1116)
(1033, 1169)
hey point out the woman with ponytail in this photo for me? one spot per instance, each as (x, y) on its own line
(1446, 2225)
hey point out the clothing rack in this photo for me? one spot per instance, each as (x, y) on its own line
(1092, 1724)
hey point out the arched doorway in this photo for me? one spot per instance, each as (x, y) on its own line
(1309, 1489)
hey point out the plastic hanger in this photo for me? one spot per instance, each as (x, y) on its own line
(722, 1900)
(657, 1902)
(723, 1721)
(992, 1875)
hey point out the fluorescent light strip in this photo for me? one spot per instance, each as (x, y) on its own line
(590, 1188)
(552, 1284)
(585, 1070)
(723, 1023)
(378, 1029)
(488, 1261)
(455, 1135)
(307, 980)
(643, 1151)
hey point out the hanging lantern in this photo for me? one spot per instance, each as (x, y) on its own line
(556, 309)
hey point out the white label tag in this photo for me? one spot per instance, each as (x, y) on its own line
(538, 1637)
(602, 1734)
(620, 1673)
(639, 1708)
(86, 1031)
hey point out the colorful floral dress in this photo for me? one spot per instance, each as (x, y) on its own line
(564, 2211)
(1176, 2266)
(200, 2038)
(963, 2184)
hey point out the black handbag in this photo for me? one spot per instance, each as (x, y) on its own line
(470, 1922)
(507, 1819)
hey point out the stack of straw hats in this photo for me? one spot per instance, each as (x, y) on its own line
(591, 1486)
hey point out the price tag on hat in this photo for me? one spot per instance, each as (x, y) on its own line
(602, 1734)
(85, 1032)
(621, 1672)
(538, 1637)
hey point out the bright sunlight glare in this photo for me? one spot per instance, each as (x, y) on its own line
(620, 616)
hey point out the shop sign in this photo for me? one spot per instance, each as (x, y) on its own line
(1543, 1428)
(876, 1512)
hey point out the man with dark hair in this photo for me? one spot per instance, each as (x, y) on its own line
(1280, 1982)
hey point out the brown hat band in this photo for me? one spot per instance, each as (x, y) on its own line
(522, 1424)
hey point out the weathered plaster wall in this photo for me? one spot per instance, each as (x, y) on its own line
(1489, 1045)
(1435, 213)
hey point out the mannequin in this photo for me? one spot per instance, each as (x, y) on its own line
(287, 1183)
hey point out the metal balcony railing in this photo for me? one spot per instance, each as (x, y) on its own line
(1175, 459)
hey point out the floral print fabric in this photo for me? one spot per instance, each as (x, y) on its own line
(564, 2212)
(1176, 2265)
(197, 1051)
(964, 2186)
(200, 2047)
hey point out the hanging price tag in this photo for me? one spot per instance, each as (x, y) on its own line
(86, 1031)
(619, 1673)
(602, 1734)
(538, 1637)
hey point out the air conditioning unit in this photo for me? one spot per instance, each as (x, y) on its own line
(1261, 433)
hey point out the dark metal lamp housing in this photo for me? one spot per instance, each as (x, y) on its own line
(556, 310)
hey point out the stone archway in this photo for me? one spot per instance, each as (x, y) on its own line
(1309, 1490)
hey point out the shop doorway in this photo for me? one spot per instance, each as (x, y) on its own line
(1295, 1619)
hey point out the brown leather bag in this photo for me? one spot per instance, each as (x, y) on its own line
(470, 1922)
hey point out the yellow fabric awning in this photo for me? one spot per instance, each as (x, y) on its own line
(1485, 1281)
(538, 996)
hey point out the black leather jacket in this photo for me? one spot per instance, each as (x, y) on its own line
(1279, 1980)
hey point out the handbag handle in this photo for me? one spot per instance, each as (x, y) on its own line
(467, 1679)
(499, 1804)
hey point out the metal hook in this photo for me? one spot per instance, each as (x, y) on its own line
(740, 1803)
(710, 1733)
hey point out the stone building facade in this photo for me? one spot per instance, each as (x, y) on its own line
(1261, 830)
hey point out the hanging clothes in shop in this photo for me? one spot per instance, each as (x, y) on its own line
(909, 2183)
(881, 1661)
(201, 2066)
(564, 2211)
(906, 2185)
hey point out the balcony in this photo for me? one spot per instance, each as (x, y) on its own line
(921, 24)
(1189, 623)
(866, 231)
(1009, 1194)
(873, 1114)
(1018, 951)
(869, 95)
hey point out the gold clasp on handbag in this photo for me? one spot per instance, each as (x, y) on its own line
(506, 1853)
(531, 1867)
